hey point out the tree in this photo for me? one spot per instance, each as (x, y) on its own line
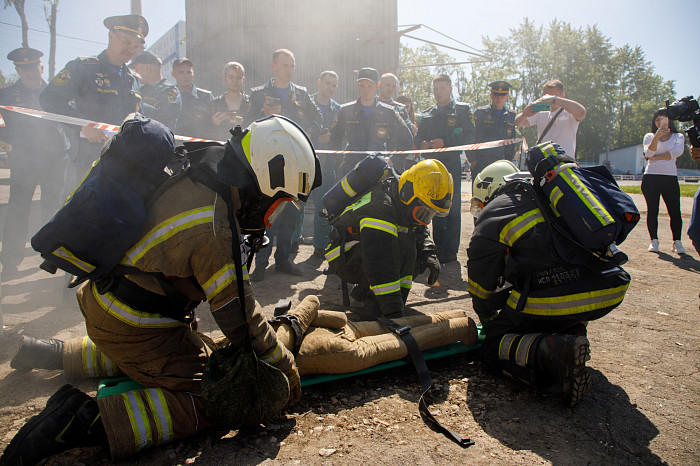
(415, 77)
(19, 6)
(50, 12)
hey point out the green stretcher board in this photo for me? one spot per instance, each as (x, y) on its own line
(117, 385)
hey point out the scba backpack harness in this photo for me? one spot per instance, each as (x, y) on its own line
(598, 214)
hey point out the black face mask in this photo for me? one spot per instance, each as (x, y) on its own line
(260, 213)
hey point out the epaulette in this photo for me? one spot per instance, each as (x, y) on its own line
(485, 107)
(461, 104)
(199, 89)
(89, 60)
(428, 110)
(387, 106)
(257, 88)
(301, 88)
(348, 104)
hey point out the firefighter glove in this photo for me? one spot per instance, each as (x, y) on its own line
(433, 264)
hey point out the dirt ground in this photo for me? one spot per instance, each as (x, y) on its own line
(642, 407)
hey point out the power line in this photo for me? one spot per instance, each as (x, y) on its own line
(58, 35)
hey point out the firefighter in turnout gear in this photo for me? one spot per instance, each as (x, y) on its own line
(142, 325)
(532, 288)
(385, 240)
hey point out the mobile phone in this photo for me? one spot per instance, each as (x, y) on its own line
(541, 107)
(273, 101)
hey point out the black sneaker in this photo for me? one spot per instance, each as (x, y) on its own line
(289, 269)
(447, 258)
(258, 274)
(62, 425)
(34, 353)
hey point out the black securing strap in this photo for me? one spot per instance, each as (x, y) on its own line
(293, 322)
(343, 282)
(173, 305)
(404, 331)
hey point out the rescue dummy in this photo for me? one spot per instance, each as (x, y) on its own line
(381, 241)
(532, 287)
(192, 250)
(330, 343)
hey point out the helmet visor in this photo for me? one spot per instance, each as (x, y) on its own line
(275, 210)
(476, 207)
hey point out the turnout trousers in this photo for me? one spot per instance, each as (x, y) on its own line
(163, 354)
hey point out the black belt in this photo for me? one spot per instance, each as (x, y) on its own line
(174, 305)
(404, 331)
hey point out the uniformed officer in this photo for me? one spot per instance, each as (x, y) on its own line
(536, 324)
(493, 123)
(193, 120)
(36, 153)
(367, 124)
(446, 124)
(161, 100)
(99, 88)
(281, 96)
(388, 85)
(327, 85)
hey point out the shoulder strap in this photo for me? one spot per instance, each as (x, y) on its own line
(551, 122)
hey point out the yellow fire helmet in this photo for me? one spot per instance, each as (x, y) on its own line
(427, 189)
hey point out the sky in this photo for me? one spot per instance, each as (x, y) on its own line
(664, 30)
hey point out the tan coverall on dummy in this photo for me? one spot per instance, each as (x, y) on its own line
(188, 236)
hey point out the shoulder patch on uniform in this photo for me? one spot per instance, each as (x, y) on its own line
(171, 95)
(89, 60)
(62, 78)
(257, 88)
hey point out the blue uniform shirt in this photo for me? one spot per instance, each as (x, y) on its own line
(30, 137)
(492, 125)
(94, 89)
(162, 102)
(194, 114)
(453, 123)
(297, 106)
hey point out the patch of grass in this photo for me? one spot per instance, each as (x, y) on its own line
(687, 190)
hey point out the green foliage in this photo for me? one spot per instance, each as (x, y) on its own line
(617, 85)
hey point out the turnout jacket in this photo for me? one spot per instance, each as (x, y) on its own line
(189, 239)
(382, 244)
(513, 244)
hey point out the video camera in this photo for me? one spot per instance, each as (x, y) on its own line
(686, 109)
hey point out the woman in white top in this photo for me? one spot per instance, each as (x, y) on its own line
(661, 149)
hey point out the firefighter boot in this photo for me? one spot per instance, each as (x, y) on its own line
(71, 419)
(563, 357)
(34, 353)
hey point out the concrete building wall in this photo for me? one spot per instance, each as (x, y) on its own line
(322, 34)
(170, 46)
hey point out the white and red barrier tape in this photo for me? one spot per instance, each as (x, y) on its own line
(113, 129)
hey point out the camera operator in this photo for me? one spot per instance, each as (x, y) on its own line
(694, 227)
(662, 146)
